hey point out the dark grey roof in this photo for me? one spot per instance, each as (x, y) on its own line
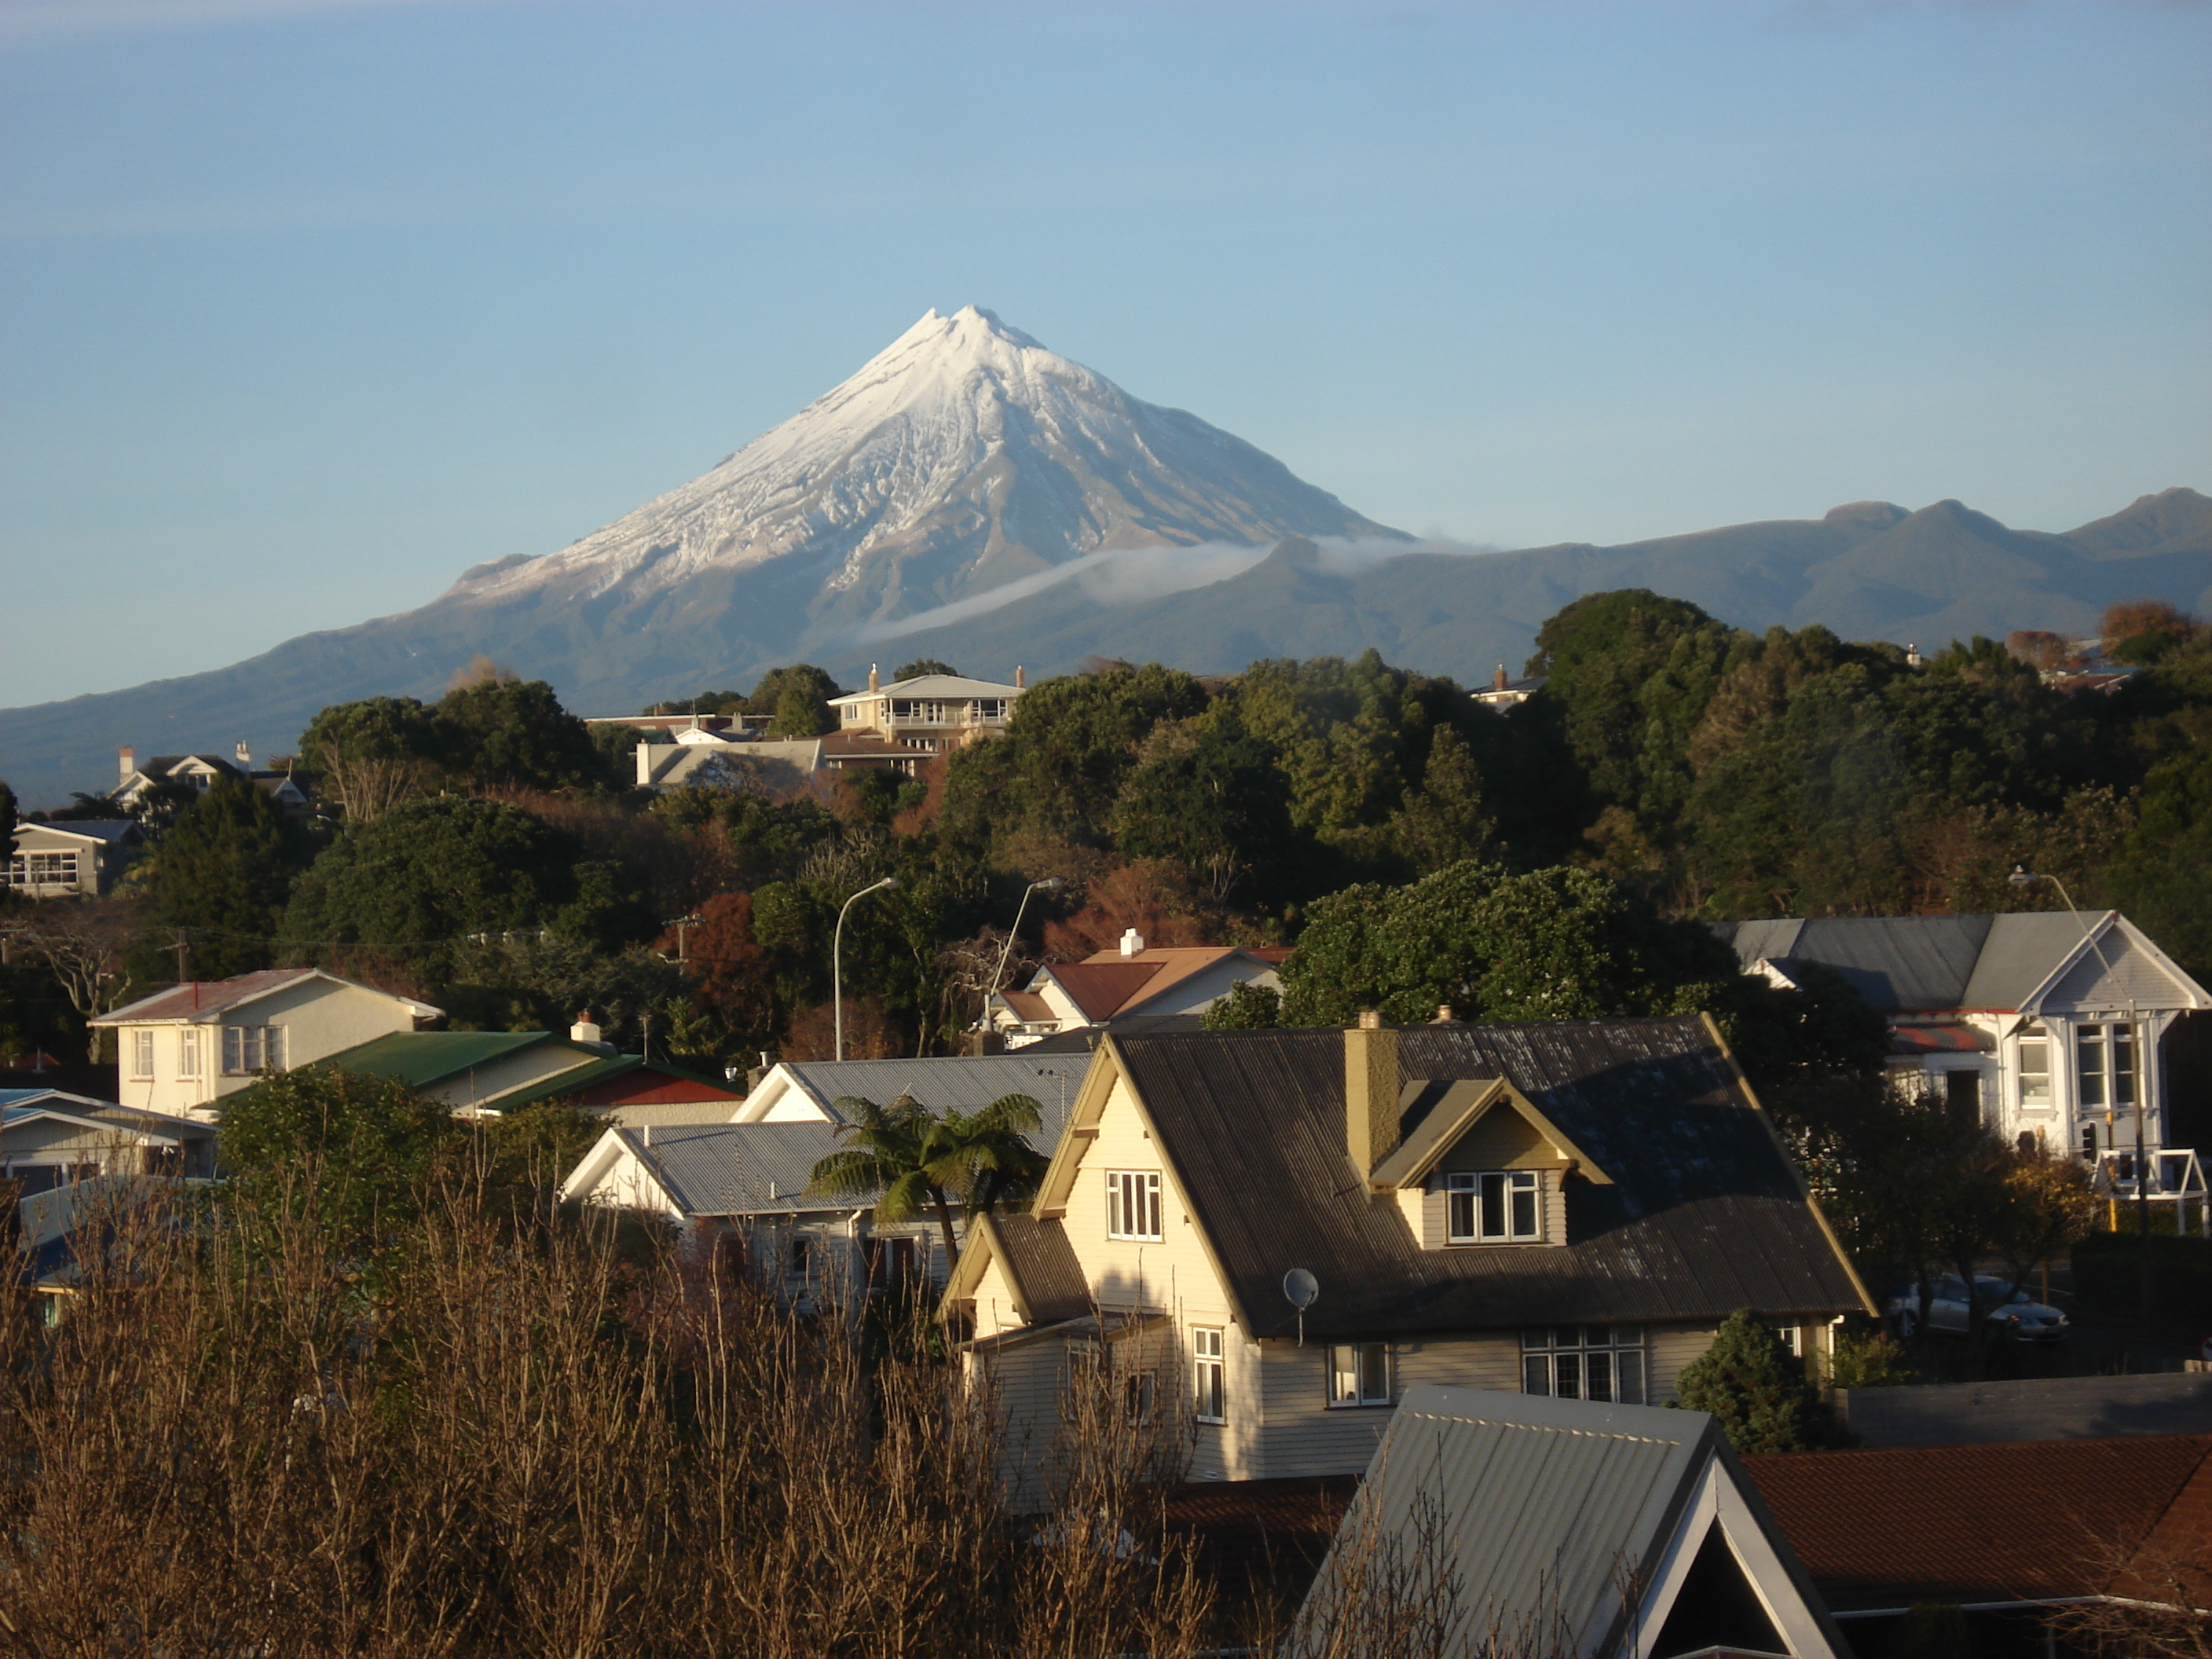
(1705, 1215)
(1040, 1259)
(964, 1083)
(1909, 964)
(109, 829)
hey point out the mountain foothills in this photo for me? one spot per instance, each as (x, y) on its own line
(971, 495)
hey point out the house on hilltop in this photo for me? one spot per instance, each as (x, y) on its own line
(71, 858)
(1567, 1209)
(200, 772)
(928, 714)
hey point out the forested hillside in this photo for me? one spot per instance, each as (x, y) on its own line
(484, 852)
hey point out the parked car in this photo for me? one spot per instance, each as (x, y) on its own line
(2020, 1320)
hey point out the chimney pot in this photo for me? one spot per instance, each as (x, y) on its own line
(875, 679)
(1370, 1093)
(1133, 943)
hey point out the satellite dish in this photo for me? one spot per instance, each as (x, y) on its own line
(1302, 1289)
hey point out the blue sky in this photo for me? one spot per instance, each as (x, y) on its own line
(305, 308)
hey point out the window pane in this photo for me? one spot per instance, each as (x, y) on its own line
(1493, 1206)
(1524, 1209)
(1567, 1336)
(1459, 1216)
(1536, 1374)
(2124, 1067)
(1598, 1336)
(1536, 1336)
(1343, 1373)
(1569, 1369)
(1628, 1367)
(1597, 1375)
(1375, 1373)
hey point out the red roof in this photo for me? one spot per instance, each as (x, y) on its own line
(1107, 984)
(2034, 1522)
(195, 998)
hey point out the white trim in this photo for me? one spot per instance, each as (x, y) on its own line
(1717, 1499)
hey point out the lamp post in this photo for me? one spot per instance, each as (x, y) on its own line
(1049, 884)
(2021, 875)
(837, 958)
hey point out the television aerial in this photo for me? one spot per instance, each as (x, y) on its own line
(1303, 1290)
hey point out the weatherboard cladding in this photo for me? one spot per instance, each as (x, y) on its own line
(1705, 1215)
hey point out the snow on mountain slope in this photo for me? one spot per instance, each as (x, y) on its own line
(963, 455)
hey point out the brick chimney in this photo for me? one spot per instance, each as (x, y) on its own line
(875, 680)
(1370, 1093)
(1500, 683)
(1021, 678)
(126, 763)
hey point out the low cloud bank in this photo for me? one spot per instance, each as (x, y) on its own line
(1131, 575)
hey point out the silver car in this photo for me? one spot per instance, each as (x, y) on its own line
(2020, 1320)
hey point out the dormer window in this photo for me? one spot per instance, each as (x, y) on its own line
(1493, 1206)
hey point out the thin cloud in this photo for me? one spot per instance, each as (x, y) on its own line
(1132, 575)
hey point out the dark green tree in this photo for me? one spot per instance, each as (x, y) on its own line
(1249, 1006)
(222, 875)
(347, 1152)
(1218, 806)
(1758, 1392)
(515, 734)
(798, 715)
(426, 875)
(8, 817)
(1446, 820)
(920, 665)
(372, 755)
(811, 683)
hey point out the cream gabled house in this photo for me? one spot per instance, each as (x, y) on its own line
(1566, 1209)
(929, 714)
(1134, 985)
(72, 858)
(183, 1049)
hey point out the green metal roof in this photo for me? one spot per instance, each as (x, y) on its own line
(425, 1058)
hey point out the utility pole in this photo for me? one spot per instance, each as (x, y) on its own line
(182, 947)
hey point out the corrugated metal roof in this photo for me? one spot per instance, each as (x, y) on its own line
(964, 1083)
(1549, 1507)
(2036, 1520)
(193, 998)
(422, 1058)
(2020, 952)
(1099, 988)
(741, 1168)
(1705, 1215)
(1042, 1262)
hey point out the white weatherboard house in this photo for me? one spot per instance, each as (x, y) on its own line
(1579, 1530)
(744, 1181)
(183, 1049)
(2017, 1018)
(930, 713)
(49, 1137)
(1567, 1209)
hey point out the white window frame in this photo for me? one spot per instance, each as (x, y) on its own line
(1353, 1372)
(247, 1050)
(1558, 1358)
(1485, 1201)
(1133, 1205)
(2031, 1087)
(1141, 1397)
(142, 1054)
(188, 1052)
(1209, 1372)
(2103, 1041)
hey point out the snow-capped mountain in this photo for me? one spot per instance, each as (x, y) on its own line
(963, 456)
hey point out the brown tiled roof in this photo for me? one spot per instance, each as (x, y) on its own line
(1704, 1214)
(1099, 988)
(2035, 1521)
(1038, 1258)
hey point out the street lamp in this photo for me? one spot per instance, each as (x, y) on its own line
(1049, 884)
(837, 958)
(2021, 875)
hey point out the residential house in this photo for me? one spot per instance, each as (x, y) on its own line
(2008, 1535)
(1570, 1209)
(2020, 1020)
(494, 1072)
(71, 858)
(49, 1139)
(909, 721)
(183, 1049)
(199, 771)
(1580, 1530)
(1132, 987)
(1503, 693)
(746, 1181)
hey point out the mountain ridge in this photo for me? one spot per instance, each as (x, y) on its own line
(966, 465)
